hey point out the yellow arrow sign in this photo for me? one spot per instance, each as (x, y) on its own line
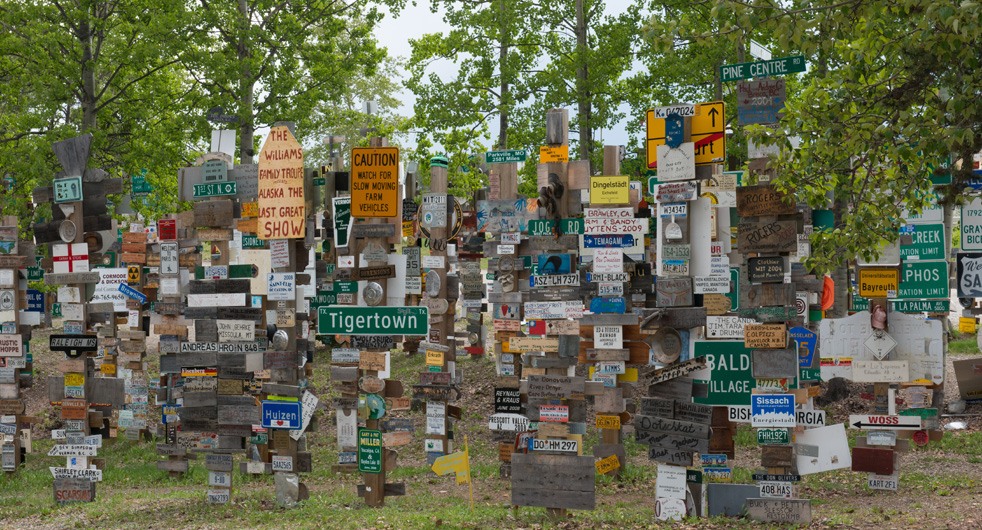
(459, 463)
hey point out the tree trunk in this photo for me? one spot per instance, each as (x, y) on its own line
(88, 101)
(584, 107)
(246, 88)
(504, 109)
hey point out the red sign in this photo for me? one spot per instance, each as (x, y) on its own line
(167, 229)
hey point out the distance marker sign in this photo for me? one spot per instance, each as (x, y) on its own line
(374, 181)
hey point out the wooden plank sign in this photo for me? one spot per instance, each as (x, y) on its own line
(774, 364)
(763, 200)
(765, 269)
(796, 511)
(765, 335)
(553, 481)
(772, 236)
(281, 194)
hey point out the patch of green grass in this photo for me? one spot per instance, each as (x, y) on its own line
(964, 346)
(963, 443)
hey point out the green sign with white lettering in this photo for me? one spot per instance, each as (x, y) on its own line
(920, 306)
(214, 189)
(252, 242)
(927, 242)
(772, 436)
(544, 227)
(729, 363)
(141, 186)
(369, 451)
(924, 279)
(354, 320)
(503, 157)
(782, 66)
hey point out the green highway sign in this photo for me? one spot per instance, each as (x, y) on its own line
(859, 303)
(141, 186)
(214, 189)
(323, 298)
(354, 320)
(927, 242)
(784, 65)
(924, 279)
(732, 381)
(320, 181)
(35, 274)
(503, 157)
(249, 241)
(369, 451)
(920, 306)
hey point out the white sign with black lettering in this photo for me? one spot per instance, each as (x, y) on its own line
(608, 337)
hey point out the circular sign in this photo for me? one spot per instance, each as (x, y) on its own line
(456, 221)
(433, 283)
(371, 384)
(280, 339)
(373, 294)
(667, 345)
(67, 231)
(375, 405)
(920, 438)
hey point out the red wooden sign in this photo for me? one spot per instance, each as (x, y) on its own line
(167, 229)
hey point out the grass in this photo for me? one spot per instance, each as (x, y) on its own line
(965, 345)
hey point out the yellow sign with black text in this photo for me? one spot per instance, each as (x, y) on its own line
(708, 133)
(559, 153)
(879, 283)
(374, 181)
(610, 190)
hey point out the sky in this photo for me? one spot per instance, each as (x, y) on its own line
(416, 20)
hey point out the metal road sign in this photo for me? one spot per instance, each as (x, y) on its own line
(214, 189)
(782, 66)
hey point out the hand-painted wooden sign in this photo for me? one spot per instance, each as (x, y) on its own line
(282, 212)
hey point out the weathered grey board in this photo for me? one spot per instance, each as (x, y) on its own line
(770, 313)
(218, 286)
(214, 213)
(606, 450)
(569, 346)
(550, 386)
(609, 319)
(206, 330)
(678, 388)
(553, 481)
(564, 242)
(671, 441)
(235, 430)
(197, 413)
(108, 391)
(344, 373)
(380, 230)
(73, 153)
(773, 236)
(197, 359)
(767, 294)
(282, 390)
(776, 455)
(677, 370)
(170, 450)
(669, 456)
(693, 412)
(546, 362)
(796, 511)
(238, 415)
(670, 426)
(218, 462)
(673, 292)
(729, 500)
(653, 406)
(774, 364)
(201, 399)
(180, 466)
(593, 354)
(68, 278)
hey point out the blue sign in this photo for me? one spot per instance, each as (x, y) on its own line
(674, 131)
(554, 264)
(35, 301)
(806, 339)
(132, 293)
(611, 304)
(281, 415)
(772, 410)
(622, 241)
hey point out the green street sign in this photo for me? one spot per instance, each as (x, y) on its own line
(320, 181)
(68, 189)
(919, 306)
(323, 298)
(354, 320)
(214, 189)
(346, 287)
(772, 436)
(252, 242)
(784, 65)
(369, 451)
(543, 227)
(503, 157)
(810, 374)
(927, 242)
(924, 279)
(35, 274)
(732, 381)
(141, 186)
(56, 309)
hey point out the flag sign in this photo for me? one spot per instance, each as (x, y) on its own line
(73, 257)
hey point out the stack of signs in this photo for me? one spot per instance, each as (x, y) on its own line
(170, 324)
(15, 338)
(364, 281)
(131, 344)
(470, 246)
(77, 205)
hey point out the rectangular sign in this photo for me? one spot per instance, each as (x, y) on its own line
(374, 182)
(782, 66)
(369, 451)
(352, 320)
(772, 410)
(281, 414)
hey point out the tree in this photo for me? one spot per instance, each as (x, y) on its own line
(892, 91)
(271, 60)
(105, 67)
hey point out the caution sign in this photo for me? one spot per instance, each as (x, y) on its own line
(374, 181)
(133, 275)
(708, 128)
(281, 205)
(709, 133)
(879, 283)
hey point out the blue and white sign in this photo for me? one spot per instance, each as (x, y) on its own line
(282, 286)
(132, 293)
(281, 415)
(772, 410)
(35, 301)
(621, 241)
(806, 339)
(611, 304)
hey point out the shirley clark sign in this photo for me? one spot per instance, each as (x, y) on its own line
(281, 204)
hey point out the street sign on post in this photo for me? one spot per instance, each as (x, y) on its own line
(708, 128)
(214, 189)
(782, 66)
(504, 157)
(374, 181)
(353, 320)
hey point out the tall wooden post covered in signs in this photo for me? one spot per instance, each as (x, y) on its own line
(15, 335)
